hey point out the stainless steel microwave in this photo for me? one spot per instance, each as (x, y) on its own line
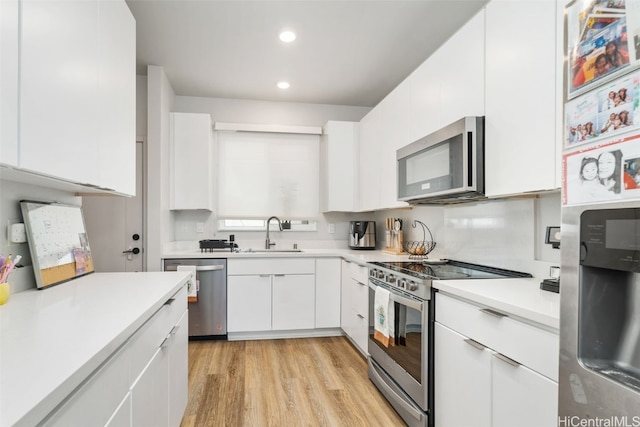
(445, 166)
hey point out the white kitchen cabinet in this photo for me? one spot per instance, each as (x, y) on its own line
(117, 95)
(9, 60)
(178, 370)
(270, 294)
(293, 304)
(462, 374)
(327, 301)
(506, 368)
(77, 93)
(248, 303)
(59, 89)
(339, 166)
(521, 106)
(143, 383)
(355, 304)
(449, 85)
(190, 164)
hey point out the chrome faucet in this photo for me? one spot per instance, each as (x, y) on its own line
(267, 243)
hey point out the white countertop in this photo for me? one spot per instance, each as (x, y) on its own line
(52, 339)
(519, 297)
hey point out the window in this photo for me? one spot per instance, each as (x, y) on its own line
(260, 225)
(261, 174)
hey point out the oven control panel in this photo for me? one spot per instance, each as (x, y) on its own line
(396, 280)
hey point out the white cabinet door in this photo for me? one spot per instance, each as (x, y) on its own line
(371, 128)
(150, 393)
(327, 299)
(346, 316)
(249, 303)
(462, 376)
(9, 19)
(58, 88)
(522, 397)
(462, 74)
(520, 126)
(339, 166)
(293, 301)
(191, 178)
(117, 96)
(178, 354)
(122, 416)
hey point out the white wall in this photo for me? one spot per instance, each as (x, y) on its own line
(160, 101)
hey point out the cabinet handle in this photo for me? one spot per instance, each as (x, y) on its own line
(507, 359)
(360, 315)
(170, 301)
(492, 312)
(174, 330)
(165, 343)
(279, 275)
(265, 275)
(474, 344)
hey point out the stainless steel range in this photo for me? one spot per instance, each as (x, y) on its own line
(403, 370)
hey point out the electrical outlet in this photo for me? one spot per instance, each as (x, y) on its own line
(199, 227)
(331, 228)
(184, 228)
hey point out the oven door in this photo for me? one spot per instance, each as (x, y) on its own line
(407, 361)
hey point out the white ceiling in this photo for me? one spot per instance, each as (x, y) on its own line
(347, 52)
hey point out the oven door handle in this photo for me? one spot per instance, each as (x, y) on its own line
(416, 305)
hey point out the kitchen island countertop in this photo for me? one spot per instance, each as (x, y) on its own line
(53, 339)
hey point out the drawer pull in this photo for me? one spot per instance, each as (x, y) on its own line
(165, 343)
(507, 359)
(492, 312)
(170, 301)
(360, 315)
(474, 344)
(279, 275)
(174, 330)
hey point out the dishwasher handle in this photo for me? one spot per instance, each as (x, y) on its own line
(198, 268)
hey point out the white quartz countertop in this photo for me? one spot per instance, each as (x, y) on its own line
(519, 297)
(52, 339)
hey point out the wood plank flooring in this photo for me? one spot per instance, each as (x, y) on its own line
(287, 382)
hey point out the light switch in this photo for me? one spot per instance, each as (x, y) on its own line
(199, 227)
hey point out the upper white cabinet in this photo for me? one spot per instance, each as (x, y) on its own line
(191, 173)
(117, 92)
(450, 84)
(59, 89)
(339, 166)
(521, 97)
(9, 82)
(77, 92)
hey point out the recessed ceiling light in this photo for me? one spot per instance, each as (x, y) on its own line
(287, 36)
(283, 85)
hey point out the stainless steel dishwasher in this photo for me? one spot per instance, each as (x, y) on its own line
(208, 314)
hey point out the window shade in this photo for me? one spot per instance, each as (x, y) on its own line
(264, 174)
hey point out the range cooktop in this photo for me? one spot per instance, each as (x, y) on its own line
(447, 270)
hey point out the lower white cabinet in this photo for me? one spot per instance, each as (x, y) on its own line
(355, 304)
(293, 302)
(144, 383)
(270, 294)
(497, 387)
(328, 279)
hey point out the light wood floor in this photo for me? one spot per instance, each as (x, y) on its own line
(292, 382)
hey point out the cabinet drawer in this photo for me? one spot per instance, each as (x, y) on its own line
(359, 272)
(271, 266)
(94, 402)
(527, 344)
(360, 295)
(148, 338)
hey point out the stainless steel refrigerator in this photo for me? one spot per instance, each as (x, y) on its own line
(599, 381)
